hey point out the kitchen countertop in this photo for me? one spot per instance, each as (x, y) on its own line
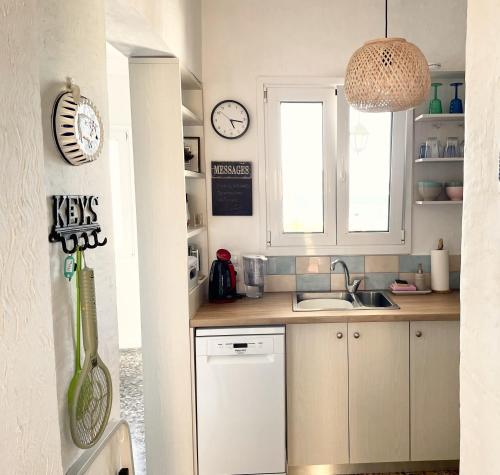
(276, 309)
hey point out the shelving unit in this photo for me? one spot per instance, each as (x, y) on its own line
(439, 160)
(439, 169)
(449, 202)
(194, 231)
(440, 118)
(199, 285)
(189, 118)
(194, 175)
(195, 184)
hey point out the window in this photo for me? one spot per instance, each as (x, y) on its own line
(371, 156)
(302, 136)
(299, 138)
(321, 193)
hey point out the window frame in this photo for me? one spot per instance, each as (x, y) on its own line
(267, 243)
(275, 96)
(396, 232)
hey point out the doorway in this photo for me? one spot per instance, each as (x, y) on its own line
(121, 162)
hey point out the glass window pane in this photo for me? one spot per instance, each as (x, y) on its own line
(369, 170)
(302, 166)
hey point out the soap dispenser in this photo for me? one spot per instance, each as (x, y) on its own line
(420, 278)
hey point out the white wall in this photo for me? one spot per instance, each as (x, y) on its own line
(246, 40)
(168, 26)
(480, 297)
(73, 44)
(121, 162)
(29, 435)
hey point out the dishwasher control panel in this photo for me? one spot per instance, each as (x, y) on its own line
(239, 345)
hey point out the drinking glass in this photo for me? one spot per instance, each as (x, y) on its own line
(452, 149)
(456, 106)
(432, 148)
(435, 106)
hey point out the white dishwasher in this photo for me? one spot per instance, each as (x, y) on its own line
(240, 388)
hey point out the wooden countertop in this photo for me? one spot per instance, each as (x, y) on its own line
(276, 309)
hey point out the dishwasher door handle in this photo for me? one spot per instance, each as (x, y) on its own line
(240, 359)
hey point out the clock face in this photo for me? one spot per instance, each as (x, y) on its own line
(230, 119)
(88, 129)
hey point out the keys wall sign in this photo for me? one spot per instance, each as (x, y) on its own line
(75, 222)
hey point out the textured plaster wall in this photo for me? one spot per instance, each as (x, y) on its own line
(480, 317)
(73, 44)
(29, 434)
(243, 41)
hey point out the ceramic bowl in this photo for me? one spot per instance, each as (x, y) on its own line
(454, 191)
(429, 190)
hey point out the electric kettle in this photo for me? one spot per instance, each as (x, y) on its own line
(222, 279)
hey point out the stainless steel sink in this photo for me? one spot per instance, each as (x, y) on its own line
(375, 299)
(337, 301)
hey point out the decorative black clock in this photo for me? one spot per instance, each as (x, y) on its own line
(230, 119)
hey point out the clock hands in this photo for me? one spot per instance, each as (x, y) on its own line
(231, 120)
(235, 120)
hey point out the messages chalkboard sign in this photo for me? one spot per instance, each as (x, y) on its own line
(231, 188)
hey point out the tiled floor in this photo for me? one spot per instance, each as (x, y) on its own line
(132, 403)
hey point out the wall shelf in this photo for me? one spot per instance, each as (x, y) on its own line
(440, 118)
(194, 231)
(190, 118)
(199, 284)
(439, 160)
(448, 202)
(194, 175)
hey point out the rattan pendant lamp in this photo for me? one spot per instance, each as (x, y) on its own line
(387, 75)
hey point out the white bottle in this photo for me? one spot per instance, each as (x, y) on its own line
(420, 278)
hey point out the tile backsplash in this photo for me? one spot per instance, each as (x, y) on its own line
(289, 273)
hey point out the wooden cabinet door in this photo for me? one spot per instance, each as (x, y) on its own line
(379, 409)
(317, 400)
(435, 391)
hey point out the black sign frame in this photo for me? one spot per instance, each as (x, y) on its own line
(232, 189)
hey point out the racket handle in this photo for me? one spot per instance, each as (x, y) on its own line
(88, 308)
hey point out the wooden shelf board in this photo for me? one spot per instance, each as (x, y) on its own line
(448, 202)
(439, 160)
(196, 175)
(440, 118)
(194, 231)
(199, 284)
(190, 118)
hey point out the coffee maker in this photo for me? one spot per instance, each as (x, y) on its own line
(222, 279)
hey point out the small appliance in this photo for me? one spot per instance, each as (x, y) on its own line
(222, 280)
(192, 272)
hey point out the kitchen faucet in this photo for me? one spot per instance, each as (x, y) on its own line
(351, 288)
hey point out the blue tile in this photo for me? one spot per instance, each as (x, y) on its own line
(282, 265)
(356, 264)
(313, 282)
(454, 280)
(410, 263)
(379, 280)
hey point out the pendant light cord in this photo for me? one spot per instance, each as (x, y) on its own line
(386, 18)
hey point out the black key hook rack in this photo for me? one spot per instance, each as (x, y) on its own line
(75, 222)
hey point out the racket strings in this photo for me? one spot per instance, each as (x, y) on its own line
(92, 405)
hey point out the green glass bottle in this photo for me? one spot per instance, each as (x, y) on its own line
(435, 106)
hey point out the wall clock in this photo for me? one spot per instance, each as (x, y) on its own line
(230, 119)
(77, 126)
